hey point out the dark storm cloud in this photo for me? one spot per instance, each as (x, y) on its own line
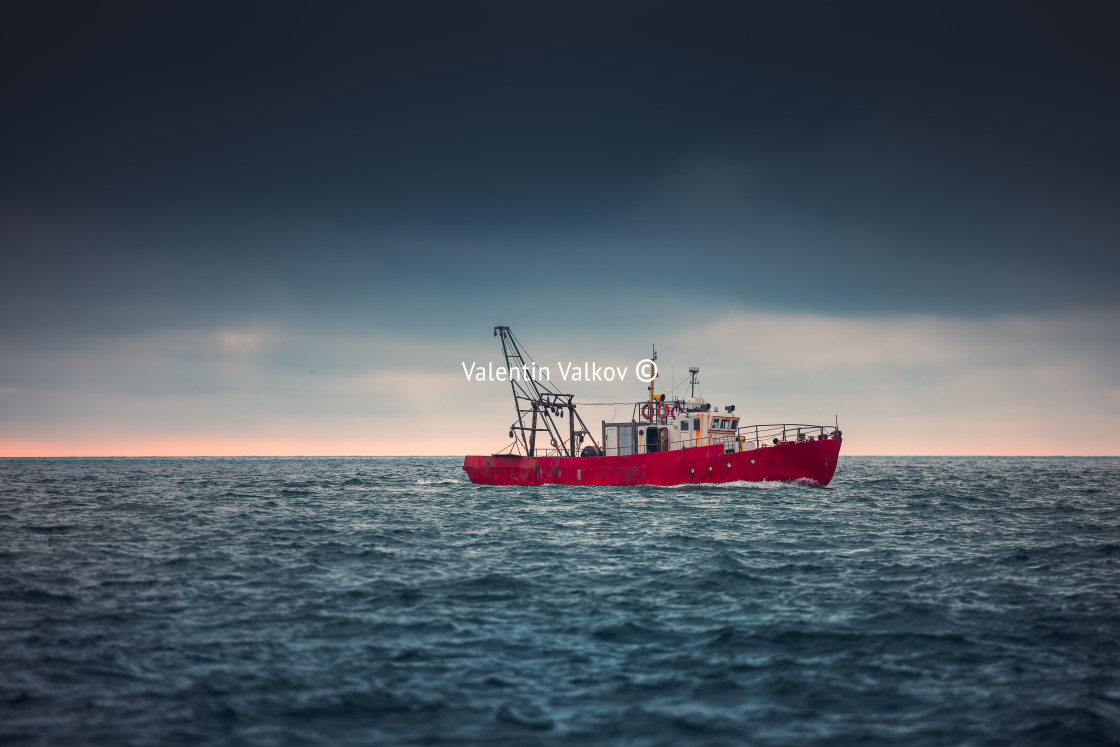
(197, 162)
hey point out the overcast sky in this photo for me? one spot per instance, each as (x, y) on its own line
(902, 215)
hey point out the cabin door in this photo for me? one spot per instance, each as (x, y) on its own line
(625, 440)
(653, 440)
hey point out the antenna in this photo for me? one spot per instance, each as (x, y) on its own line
(693, 370)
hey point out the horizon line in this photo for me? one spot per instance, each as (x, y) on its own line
(460, 456)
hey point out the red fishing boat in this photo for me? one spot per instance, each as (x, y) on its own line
(665, 442)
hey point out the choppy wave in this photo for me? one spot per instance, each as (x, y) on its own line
(389, 601)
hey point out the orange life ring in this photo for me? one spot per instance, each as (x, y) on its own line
(676, 410)
(663, 411)
(647, 411)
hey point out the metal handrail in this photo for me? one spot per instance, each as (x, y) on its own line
(763, 436)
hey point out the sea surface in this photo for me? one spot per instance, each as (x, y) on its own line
(383, 601)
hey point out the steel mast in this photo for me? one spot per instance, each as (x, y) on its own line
(538, 404)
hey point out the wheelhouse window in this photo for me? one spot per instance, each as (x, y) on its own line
(696, 424)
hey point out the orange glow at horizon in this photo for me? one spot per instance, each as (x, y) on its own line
(920, 386)
(202, 446)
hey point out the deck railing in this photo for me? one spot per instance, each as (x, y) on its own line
(753, 437)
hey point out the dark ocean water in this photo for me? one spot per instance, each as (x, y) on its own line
(389, 601)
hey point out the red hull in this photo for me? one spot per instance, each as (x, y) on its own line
(808, 460)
